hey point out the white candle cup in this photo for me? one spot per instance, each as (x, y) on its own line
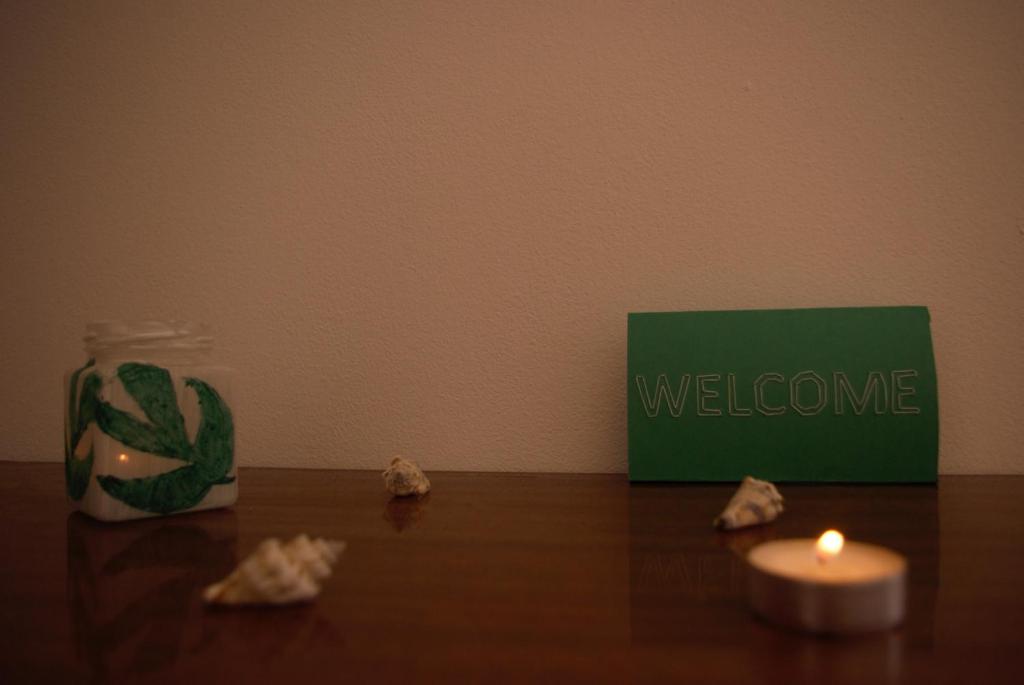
(860, 589)
(148, 424)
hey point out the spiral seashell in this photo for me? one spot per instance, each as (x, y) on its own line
(278, 573)
(404, 477)
(756, 502)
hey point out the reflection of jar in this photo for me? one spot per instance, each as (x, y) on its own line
(148, 424)
(123, 579)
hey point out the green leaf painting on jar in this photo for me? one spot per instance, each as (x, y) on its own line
(207, 460)
(81, 411)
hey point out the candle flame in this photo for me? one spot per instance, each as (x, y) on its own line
(830, 544)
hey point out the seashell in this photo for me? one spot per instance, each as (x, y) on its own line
(756, 502)
(404, 477)
(278, 573)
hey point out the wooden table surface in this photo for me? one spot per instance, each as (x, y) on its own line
(509, 578)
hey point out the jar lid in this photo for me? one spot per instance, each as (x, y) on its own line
(101, 336)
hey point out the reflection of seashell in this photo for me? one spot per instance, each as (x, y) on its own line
(740, 542)
(278, 574)
(757, 501)
(405, 512)
(403, 477)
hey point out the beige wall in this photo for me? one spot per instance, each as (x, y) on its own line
(418, 227)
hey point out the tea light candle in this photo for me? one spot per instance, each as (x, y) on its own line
(827, 585)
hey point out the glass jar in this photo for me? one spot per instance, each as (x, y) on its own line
(148, 425)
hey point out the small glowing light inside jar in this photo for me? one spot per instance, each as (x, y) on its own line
(122, 457)
(830, 544)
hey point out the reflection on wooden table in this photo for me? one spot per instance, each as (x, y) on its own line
(498, 578)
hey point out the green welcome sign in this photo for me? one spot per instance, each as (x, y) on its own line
(790, 394)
